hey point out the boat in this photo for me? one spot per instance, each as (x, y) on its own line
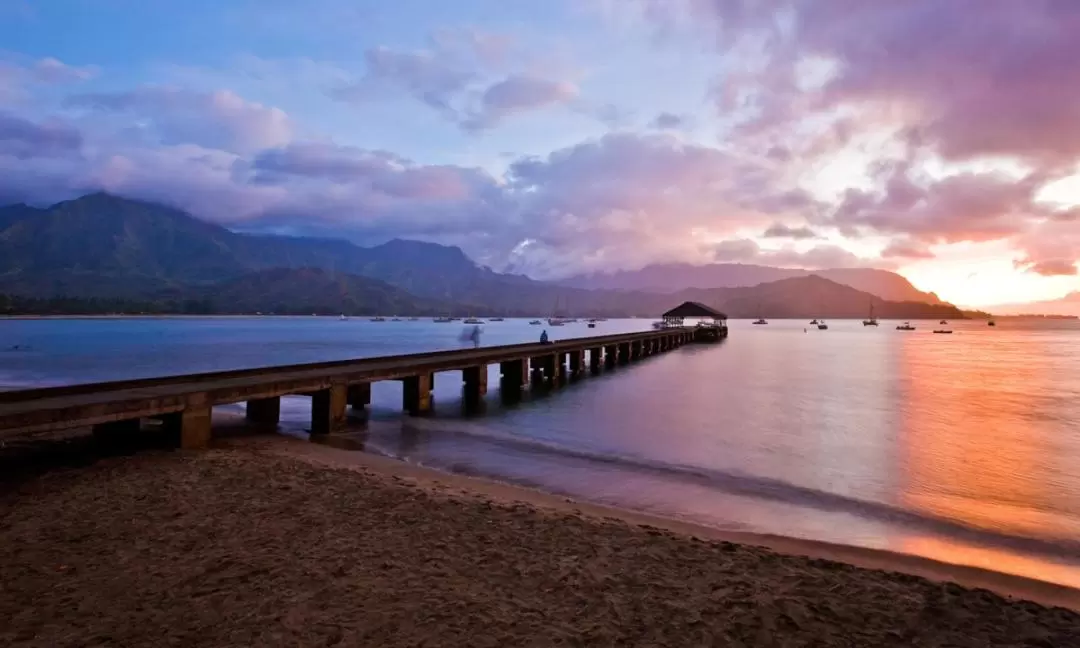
(535, 323)
(906, 326)
(942, 322)
(443, 320)
(943, 331)
(473, 320)
(495, 319)
(555, 320)
(991, 323)
(813, 322)
(591, 324)
(343, 318)
(871, 320)
(759, 321)
(822, 326)
(378, 319)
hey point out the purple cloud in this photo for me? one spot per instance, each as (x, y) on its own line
(906, 249)
(24, 139)
(517, 94)
(435, 80)
(220, 119)
(817, 257)
(666, 121)
(780, 230)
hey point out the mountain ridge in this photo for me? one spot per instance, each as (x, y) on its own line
(104, 247)
(671, 277)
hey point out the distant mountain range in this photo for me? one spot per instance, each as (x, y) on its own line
(672, 277)
(108, 251)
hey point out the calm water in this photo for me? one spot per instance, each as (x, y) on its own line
(964, 448)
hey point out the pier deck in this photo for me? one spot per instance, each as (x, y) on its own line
(183, 403)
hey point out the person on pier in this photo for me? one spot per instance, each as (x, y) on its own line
(544, 337)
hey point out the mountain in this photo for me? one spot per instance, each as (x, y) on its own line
(306, 290)
(101, 247)
(105, 246)
(810, 297)
(672, 277)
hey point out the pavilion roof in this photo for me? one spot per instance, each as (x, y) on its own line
(694, 309)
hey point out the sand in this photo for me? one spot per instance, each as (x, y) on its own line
(282, 542)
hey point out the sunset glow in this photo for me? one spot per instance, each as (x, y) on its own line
(572, 137)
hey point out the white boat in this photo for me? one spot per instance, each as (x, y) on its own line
(906, 326)
(343, 318)
(473, 320)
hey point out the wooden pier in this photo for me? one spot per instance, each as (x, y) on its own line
(183, 403)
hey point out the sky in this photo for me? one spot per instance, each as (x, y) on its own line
(937, 139)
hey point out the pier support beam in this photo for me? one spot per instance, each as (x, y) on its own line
(264, 412)
(595, 358)
(358, 395)
(189, 429)
(576, 363)
(550, 367)
(328, 409)
(416, 393)
(475, 379)
(515, 375)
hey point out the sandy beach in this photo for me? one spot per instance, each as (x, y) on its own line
(275, 541)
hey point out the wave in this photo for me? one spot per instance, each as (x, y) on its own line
(771, 489)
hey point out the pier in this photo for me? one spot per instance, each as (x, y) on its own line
(183, 404)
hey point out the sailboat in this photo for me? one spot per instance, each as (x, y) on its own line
(870, 321)
(555, 320)
(760, 320)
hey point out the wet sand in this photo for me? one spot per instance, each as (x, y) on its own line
(279, 542)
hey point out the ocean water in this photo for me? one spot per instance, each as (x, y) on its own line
(963, 448)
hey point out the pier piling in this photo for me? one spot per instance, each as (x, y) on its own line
(328, 409)
(475, 385)
(416, 393)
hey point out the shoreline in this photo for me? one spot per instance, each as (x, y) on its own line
(1005, 584)
(273, 541)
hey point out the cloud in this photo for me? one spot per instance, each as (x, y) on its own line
(425, 75)
(1050, 268)
(455, 77)
(817, 257)
(50, 70)
(18, 78)
(965, 207)
(22, 139)
(517, 94)
(780, 230)
(971, 87)
(906, 249)
(220, 119)
(666, 120)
